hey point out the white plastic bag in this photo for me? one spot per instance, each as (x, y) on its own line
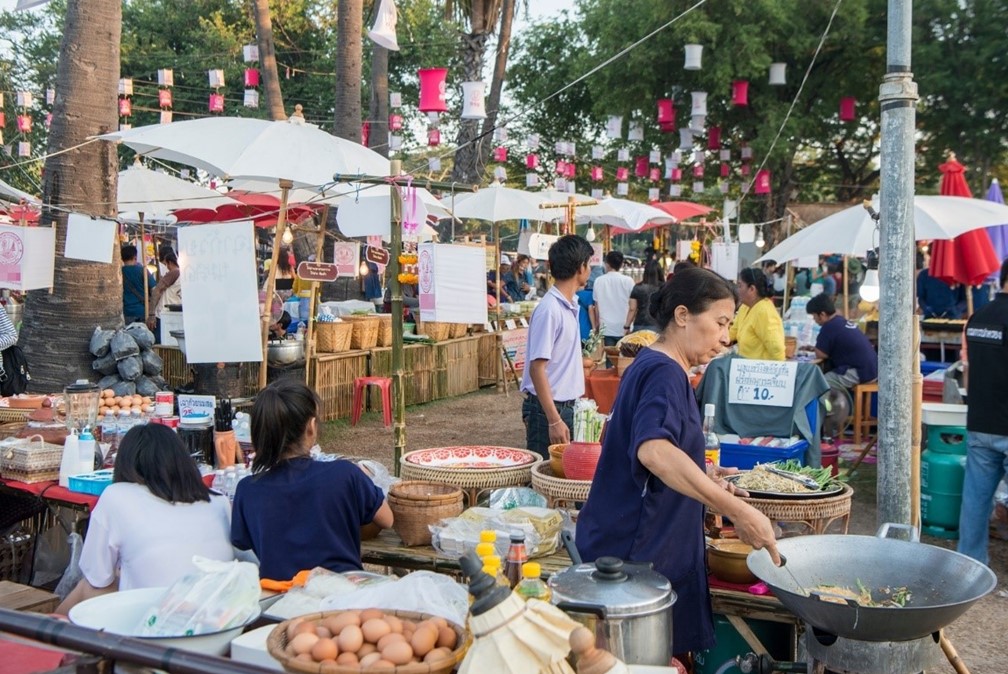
(73, 573)
(221, 595)
(420, 591)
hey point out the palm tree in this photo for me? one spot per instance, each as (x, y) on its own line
(267, 59)
(57, 325)
(349, 43)
(378, 111)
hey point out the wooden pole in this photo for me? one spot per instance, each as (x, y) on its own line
(497, 258)
(143, 267)
(281, 227)
(846, 297)
(607, 240)
(310, 336)
(398, 394)
(917, 394)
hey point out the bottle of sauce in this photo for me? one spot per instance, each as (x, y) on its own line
(532, 585)
(492, 567)
(516, 556)
(712, 445)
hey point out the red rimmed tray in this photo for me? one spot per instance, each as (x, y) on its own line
(471, 457)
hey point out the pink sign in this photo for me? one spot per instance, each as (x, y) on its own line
(345, 257)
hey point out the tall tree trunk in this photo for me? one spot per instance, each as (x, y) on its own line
(267, 60)
(349, 43)
(378, 110)
(497, 84)
(57, 326)
(466, 168)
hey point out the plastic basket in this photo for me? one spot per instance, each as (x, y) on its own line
(91, 483)
(333, 337)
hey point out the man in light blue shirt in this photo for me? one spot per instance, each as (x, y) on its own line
(554, 375)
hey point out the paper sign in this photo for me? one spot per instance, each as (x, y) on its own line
(377, 254)
(539, 245)
(346, 256)
(510, 324)
(221, 310)
(192, 405)
(514, 343)
(596, 258)
(89, 239)
(317, 271)
(452, 283)
(761, 382)
(684, 247)
(27, 257)
(725, 259)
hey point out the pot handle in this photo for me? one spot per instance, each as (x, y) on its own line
(596, 610)
(913, 533)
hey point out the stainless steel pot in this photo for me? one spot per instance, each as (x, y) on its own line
(627, 606)
(286, 351)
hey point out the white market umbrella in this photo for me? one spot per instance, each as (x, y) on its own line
(852, 231)
(367, 211)
(628, 215)
(239, 147)
(9, 192)
(154, 193)
(585, 207)
(496, 203)
(296, 195)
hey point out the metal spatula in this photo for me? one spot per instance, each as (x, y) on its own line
(803, 480)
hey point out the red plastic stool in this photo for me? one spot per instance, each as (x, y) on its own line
(360, 383)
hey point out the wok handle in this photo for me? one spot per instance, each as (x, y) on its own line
(913, 533)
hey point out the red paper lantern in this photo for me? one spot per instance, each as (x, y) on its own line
(762, 183)
(622, 173)
(676, 174)
(698, 170)
(164, 98)
(667, 128)
(666, 111)
(640, 166)
(531, 161)
(125, 107)
(216, 102)
(596, 173)
(365, 133)
(725, 170)
(714, 138)
(848, 105)
(24, 123)
(433, 137)
(745, 170)
(570, 170)
(433, 89)
(251, 77)
(654, 175)
(740, 92)
(395, 122)
(500, 153)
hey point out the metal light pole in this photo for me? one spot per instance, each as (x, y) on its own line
(897, 96)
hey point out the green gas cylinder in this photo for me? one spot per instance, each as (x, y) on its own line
(941, 492)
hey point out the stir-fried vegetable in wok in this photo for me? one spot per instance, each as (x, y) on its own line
(884, 597)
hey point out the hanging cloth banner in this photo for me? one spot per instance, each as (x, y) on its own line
(27, 257)
(346, 255)
(725, 259)
(89, 239)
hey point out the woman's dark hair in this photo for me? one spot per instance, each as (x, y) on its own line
(164, 251)
(567, 255)
(280, 416)
(682, 264)
(153, 455)
(1004, 273)
(755, 277)
(652, 273)
(283, 261)
(693, 288)
(169, 258)
(821, 304)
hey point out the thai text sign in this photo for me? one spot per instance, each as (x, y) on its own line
(761, 382)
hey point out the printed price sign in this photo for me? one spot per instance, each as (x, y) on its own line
(193, 405)
(761, 382)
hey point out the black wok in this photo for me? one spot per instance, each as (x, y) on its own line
(943, 584)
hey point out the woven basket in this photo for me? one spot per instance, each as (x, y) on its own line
(30, 460)
(365, 331)
(417, 504)
(276, 644)
(333, 337)
(437, 331)
(556, 488)
(384, 329)
(459, 330)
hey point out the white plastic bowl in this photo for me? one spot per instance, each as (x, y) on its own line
(121, 613)
(943, 414)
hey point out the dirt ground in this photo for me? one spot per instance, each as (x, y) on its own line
(491, 418)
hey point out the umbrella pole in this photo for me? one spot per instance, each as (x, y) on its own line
(607, 240)
(915, 430)
(281, 226)
(143, 265)
(310, 336)
(969, 300)
(497, 257)
(846, 292)
(398, 394)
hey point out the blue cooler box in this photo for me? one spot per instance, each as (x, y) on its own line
(744, 457)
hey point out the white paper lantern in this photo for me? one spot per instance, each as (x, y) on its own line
(623, 154)
(395, 99)
(675, 190)
(698, 186)
(532, 141)
(560, 185)
(622, 189)
(473, 102)
(500, 134)
(614, 127)
(166, 77)
(699, 156)
(698, 101)
(694, 56)
(50, 96)
(598, 152)
(654, 157)
(394, 142)
(652, 194)
(723, 186)
(531, 179)
(777, 74)
(250, 52)
(500, 173)
(251, 99)
(125, 87)
(24, 99)
(676, 157)
(434, 163)
(166, 116)
(24, 149)
(724, 155)
(216, 78)
(697, 123)
(597, 193)
(686, 139)
(636, 131)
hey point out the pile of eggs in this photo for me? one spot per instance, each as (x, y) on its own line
(369, 639)
(110, 402)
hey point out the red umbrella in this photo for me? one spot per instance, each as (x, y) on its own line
(969, 258)
(21, 212)
(263, 209)
(680, 210)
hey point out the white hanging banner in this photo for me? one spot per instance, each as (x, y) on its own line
(761, 382)
(539, 245)
(221, 311)
(90, 239)
(597, 255)
(807, 262)
(683, 249)
(27, 257)
(523, 243)
(746, 232)
(452, 283)
(725, 259)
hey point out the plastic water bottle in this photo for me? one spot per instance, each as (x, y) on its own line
(230, 482)
(110, 432)
(136, 418)
(712, 444)
(218, 481)
(124, 425)
(86, 451)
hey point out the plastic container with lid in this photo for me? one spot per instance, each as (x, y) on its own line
(196, 433)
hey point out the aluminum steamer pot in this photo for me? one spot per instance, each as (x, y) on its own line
(627, 606)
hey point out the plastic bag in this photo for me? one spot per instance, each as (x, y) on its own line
(152, 364)
(220, 596)
(52, 549)
(105, 365)
(101, 341)
(455, 536)
(509, 498)
(141, 334)
(379, 474)
(420, 591)
(123, 345)
(73, 573)
(124, 388)
(145, 386)
(321, 583)
(130, 368)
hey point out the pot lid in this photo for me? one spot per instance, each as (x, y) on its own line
(620, 588)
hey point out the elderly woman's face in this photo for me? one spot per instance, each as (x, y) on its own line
(706, 333)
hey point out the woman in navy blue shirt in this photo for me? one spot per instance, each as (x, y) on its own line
(655, 485)
(296, 513)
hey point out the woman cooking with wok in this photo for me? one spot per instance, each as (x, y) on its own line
(656, 487)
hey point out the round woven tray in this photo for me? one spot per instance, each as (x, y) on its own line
(797, 510)
(469, 478)
(552, 487)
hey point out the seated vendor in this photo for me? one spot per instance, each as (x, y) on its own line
(497, 280)
(294, 512)
(851, 355)
(278, 330)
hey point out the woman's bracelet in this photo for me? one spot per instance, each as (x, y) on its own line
(556, 423)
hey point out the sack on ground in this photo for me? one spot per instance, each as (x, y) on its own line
(101, 341)
(130, 368)
(152, 364)
(105, 365)
(141, 334)
(123, 345)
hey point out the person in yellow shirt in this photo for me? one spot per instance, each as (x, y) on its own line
(758, 329)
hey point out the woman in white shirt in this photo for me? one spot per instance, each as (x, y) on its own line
(150, 522)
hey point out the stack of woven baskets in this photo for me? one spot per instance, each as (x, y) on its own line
(365, 330)
(333, 337)
(417, 504)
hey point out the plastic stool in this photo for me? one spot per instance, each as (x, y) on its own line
(360, 383)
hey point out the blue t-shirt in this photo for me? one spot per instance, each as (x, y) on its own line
(848, 348)
(302, 514)
(936, 298)
(133, 290)
(633, 515)
(585, 298)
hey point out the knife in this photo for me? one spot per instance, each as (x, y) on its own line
(801, 479)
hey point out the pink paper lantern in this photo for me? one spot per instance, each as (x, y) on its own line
(667, 128)
(251, 77)
(216, 102)
(24, 123)
(3, 119)
(365, 133)
(654, 175)
(676, 174)
(725, 170)
(740, 92)
(848, 106)
(596, 173)
(125, 107)
(570, 170)
(666, 112)
(433, 137)
(745, 170)
(48, 120)
(433, 89)
(531, 160)
(500, 153)
(640, 166)
(560, 168)
(395, 122)
(622, 173)
(164, 98)
(698, 170)
(762, 183)
(714, 138)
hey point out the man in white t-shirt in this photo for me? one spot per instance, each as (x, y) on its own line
(612, 299)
